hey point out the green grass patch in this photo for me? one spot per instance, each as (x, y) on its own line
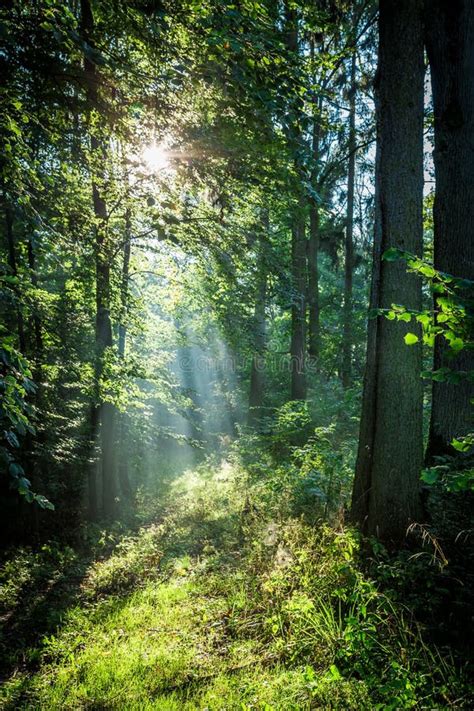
(220, 605)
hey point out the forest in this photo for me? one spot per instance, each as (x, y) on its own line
(236, 354)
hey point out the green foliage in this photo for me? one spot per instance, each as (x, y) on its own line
(15, 416)
(447, 472)
(232, 97)
(133, 561)
(300, 465)
(324, 472)
(452, 318)
(23, 571)
(451, 321)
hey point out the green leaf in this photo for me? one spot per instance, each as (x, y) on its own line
(430, 476)
(424, 319)
(11, 438)
(23, 485)
(427, 271)
(43, 502)
(393, 254)
(440, 375)
(460, 445)
(16, 470)
(410, 339)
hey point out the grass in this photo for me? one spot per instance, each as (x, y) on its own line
(220, 604)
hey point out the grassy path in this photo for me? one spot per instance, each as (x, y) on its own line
(152, 628)
(215, 608)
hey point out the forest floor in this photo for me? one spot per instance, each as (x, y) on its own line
(217, 604)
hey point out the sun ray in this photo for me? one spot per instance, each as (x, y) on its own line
(155, 157)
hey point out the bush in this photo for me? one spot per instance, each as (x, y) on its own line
(315, 606)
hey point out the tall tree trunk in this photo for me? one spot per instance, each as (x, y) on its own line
(103, 337)
(123, 475)
(257, 372)
(298, 309)
(298, 235)
(450, 44)
(349, 237)
(314, 328)
(92, 473)
(314, 335)
(386, 487)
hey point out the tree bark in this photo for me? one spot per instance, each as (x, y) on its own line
(298, 309)
(123, 475)
(257, 372)
(346, 370)
(450, 45)
(314, 326)
(298, 385)
(386, 487)
(103, 336)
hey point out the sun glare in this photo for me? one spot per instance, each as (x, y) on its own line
(156, 157)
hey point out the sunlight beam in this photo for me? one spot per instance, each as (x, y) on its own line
(155, 157)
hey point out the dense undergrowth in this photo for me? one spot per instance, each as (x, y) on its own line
(225, 601)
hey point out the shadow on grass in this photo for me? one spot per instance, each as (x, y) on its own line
(190, 526)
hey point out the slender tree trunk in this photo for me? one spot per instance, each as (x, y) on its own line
(106, 409)
(92, 472)
(363, 473)
(298, 309)
(349, 237)
(314, 335)
(299, 270)
(104, 340)
(298, 236)
(314, 327)
(450, 44)
(124, 287)
(123, 475)
(257, 373)
(386, 487)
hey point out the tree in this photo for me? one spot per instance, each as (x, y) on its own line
(314, 318)
(450, 45)
(386, 488)
(123, 475)
(298, 229)
(103, 414)
(257, 371)
(349, 233)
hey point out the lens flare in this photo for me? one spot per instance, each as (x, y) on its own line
(156, 158)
